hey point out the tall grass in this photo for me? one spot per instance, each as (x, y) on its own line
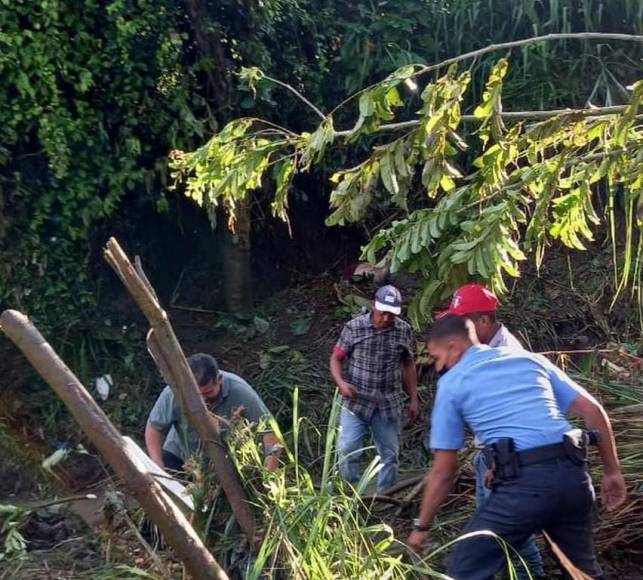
(314, 525)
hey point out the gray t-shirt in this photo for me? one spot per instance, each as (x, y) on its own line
(181, 439)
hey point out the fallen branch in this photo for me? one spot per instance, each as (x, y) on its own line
(176, 530)
(506, 115)
(404, 484)
(170, 359)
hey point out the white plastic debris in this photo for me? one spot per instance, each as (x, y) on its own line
(104, 385)
(179, 493)
(54, 459)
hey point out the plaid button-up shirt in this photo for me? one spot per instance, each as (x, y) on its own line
(374, 365)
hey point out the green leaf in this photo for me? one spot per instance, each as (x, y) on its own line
(387, 172)
(301, 326)
(428, 296)
(447, 183)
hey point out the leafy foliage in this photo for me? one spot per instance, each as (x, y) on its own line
(318, 528)
(530, 183)
(93, 96)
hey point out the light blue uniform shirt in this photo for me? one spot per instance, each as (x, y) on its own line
(502, 392)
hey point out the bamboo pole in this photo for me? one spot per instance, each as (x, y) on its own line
(169, 357)
(176, 530)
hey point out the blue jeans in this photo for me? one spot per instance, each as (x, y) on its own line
(386, 435)
(555, 496)
(529, 552)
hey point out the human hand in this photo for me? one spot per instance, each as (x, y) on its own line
(237, 413)
(413, 410)
(417, 540)
(347, 390)
(613, 492)
(272, 462)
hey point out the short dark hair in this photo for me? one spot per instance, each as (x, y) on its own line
(450, 326)
(204, 367)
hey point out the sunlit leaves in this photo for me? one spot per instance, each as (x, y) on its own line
(250, 76)
(488, 111)
(353, 192)
(283, 174)
(315, 145)
(378, 103)
(232, 164)
(530, 184)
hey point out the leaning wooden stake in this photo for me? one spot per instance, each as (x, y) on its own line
(176, 530)
(169, 357)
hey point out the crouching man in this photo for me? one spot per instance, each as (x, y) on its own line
(168, 437)
(515, 403)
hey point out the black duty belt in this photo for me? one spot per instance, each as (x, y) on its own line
(541, 454)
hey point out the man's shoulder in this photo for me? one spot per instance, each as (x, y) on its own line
(240, 392)
(505, 338)
(234, 381)
(402, 325)
(167, 394)
(512, 355)
(359, 322)
(238, 387)
(473, 358)
(458, 377)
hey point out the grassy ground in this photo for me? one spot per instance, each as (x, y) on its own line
(286, 347)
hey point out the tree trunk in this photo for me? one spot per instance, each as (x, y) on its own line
(169, 357)
(177, 531)
(237, 273)
(211, 52)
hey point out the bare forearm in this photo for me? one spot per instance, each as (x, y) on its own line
(270, 442)
(410, 378)
(437, 488)
(595, 418)
(599, 421)
(336, 370)
(154, 443)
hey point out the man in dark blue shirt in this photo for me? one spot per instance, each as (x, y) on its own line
(516, 405)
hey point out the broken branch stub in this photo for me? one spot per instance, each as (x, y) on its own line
(168, 355)
(175, 528)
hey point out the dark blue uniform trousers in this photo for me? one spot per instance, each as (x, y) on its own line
(555, 496)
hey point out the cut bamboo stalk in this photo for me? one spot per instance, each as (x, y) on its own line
(176, 530)
(169, 357)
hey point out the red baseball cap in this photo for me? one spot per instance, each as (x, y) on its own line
(471, 298)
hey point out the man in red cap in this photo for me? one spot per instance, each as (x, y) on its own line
(479, 304)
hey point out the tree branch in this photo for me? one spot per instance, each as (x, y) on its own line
(168, 355)
(163, 512)
(503, 46)
(297, 94)
(508, 115)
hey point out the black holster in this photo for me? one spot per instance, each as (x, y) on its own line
(577, 442)
(502, 459)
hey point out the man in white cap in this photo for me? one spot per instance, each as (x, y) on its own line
(371, 363)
